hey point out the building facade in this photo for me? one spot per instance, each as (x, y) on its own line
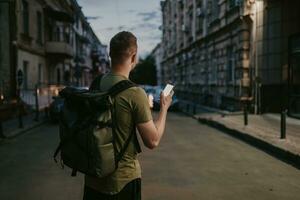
(7, 50)
(50, 42)
(222, 53)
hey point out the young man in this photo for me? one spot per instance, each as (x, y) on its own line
(132, 111)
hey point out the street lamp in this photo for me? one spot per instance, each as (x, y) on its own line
(1, 98)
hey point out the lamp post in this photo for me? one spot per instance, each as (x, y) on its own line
(20, 110)
(246, 98)
(1, 127)
(37, 103)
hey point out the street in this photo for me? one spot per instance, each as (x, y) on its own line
(193, 162)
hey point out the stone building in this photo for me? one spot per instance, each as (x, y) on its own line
(277, 58)
(50, 42)
(222, 52)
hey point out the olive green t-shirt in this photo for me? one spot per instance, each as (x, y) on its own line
(132, 107)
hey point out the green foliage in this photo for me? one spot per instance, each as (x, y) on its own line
(145, 72)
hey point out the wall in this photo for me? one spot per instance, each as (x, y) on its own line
(4, 49)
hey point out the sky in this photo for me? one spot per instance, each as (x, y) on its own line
(141, 17)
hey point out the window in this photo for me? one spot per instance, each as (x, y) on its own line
(213, 67)
(25, 75)
(58, 75)
(233, 3)
(39, 27)
(215, 9)
(230, 64)
(199, 20)
(77, 21)
(40, 73)
(25, 17)
(57, 34)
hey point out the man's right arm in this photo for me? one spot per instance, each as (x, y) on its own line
(152, 132)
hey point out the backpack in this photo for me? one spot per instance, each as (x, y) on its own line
(87, 130)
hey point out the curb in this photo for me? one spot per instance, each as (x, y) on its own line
(277, 152)
(19, 132)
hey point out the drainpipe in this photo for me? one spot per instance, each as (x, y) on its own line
(13, 49)
(256, 59)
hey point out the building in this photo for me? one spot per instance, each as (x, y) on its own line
(222, 53)
(50, 42)
(78, 42)
(7, 50)
(157, 55)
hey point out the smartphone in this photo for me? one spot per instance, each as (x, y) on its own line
(168, 89)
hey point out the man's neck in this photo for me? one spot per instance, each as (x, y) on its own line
(117, 71)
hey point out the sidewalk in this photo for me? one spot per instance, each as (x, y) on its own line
(262, 131)
(11, 127)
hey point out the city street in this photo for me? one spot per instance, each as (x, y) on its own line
(193, 162)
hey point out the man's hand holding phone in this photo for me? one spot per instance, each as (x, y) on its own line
(166, 97)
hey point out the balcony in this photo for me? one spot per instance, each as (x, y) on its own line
(59, 44)
(59, 48)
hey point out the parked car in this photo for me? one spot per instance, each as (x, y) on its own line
(55, 108)
(154, 93)
(57, 105)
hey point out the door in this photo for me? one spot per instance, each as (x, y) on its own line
(294, 77)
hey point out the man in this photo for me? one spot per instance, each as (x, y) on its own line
(132, 110)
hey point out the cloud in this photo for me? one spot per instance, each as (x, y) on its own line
(93, 17)
(153, 38)
(131, 11)
(148, 26)
(142, 17)
(147, 16)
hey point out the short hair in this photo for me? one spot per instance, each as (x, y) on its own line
(122, 45)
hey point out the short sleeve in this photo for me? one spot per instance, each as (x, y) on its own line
(141, 108)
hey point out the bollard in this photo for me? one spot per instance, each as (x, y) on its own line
(37, 112)
(283, 125)
(19, 107)
(245, 115)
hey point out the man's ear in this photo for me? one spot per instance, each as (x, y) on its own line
(133, 58)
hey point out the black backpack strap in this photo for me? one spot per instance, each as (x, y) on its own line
(95, 85)
(126, 145)
(120, 87)
(115, 90)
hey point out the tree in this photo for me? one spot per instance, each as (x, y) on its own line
(145, 72)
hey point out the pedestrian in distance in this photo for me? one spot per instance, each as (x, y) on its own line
(132, 112)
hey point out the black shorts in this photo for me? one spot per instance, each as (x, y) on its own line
(132, 191)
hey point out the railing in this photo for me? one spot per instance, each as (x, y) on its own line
(61, 36)
(41, 97)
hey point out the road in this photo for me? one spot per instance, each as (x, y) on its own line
(193, 162)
